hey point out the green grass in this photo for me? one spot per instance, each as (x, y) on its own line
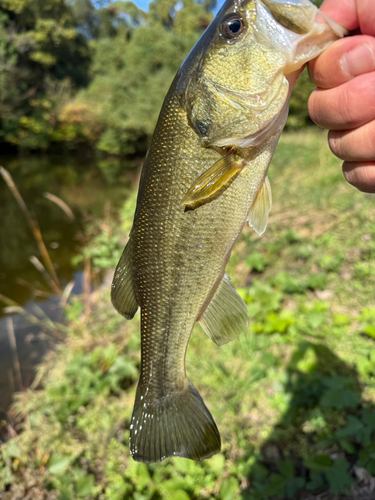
(294, 397)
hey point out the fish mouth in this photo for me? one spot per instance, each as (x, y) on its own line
(255, 105)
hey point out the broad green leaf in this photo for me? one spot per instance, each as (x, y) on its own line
(229, 489)
(186, 466)
(179, 495)
(85, 485)
(367, 458)
(320, 463)
(11, 449)
(294, 484)
(286, 468)
(369, 330)
(338, 476)
(309, 362)
(317, 281)
(259, 472)
(353, 427)
(276, 486)
(345, 398)
(257, 262)
(317, 481)
(143, 476)
(347, 446)
(173, 484)
(216, 463)
(336, 382)
(58, 464)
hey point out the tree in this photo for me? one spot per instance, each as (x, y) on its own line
(97, 71)
(134, 64)
(42, 56)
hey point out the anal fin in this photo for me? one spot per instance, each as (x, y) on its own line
(122, 294)
(258, 215)
(226, 315)
(213, 182)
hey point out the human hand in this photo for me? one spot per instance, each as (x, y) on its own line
(344, 101)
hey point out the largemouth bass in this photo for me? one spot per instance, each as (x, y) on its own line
(205, 175)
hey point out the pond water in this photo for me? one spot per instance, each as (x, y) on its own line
(90, 188)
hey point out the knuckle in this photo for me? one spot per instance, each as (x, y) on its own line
(316, 107)
(358, 100)
(346, 102)
(337, 145)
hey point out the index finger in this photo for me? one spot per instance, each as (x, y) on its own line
(342, 61)
(352, 14)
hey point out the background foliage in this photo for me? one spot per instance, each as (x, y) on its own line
(73, 73)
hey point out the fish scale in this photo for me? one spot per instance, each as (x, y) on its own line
(205, 175)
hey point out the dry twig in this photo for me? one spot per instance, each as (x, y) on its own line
(34, 228)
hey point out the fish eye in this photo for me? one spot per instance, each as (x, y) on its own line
(232, 26)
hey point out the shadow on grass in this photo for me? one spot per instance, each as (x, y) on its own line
(323, 445)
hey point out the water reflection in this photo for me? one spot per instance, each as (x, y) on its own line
(83, 183)
(87, 186)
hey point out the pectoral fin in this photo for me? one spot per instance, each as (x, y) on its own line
(226, 315)
(122, 295)
(213, 182)
(258, 215)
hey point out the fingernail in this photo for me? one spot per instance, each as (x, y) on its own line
(358, 61)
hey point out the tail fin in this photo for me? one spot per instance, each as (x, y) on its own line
(179, 425)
